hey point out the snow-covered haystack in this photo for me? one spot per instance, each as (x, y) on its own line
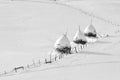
(79, 40)
(90, 33)
(62, 45)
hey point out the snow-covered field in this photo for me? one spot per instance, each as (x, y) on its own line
(28, 30)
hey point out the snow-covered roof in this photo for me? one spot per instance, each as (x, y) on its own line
(79, 35)
(90, 29)
(62, 41)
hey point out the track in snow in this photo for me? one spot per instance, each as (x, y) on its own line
(78, 9)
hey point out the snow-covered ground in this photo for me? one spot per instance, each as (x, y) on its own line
(28, 30)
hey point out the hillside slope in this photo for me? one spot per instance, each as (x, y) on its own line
(28, 31)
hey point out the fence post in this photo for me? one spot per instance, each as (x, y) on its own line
(28, 66)
(45, 61)
(5, 72)
(81, 47)
(59, 56)
(55, 58)
(39, 62)
(33, 62)
(50, 58)
(75, 49)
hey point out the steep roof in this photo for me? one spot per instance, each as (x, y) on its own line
(62, 41)
(79, 35)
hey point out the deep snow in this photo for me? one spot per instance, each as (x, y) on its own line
(29, 29)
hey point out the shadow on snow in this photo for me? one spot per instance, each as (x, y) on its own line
(94, 53)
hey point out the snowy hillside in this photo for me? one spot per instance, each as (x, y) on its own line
(28, 30)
